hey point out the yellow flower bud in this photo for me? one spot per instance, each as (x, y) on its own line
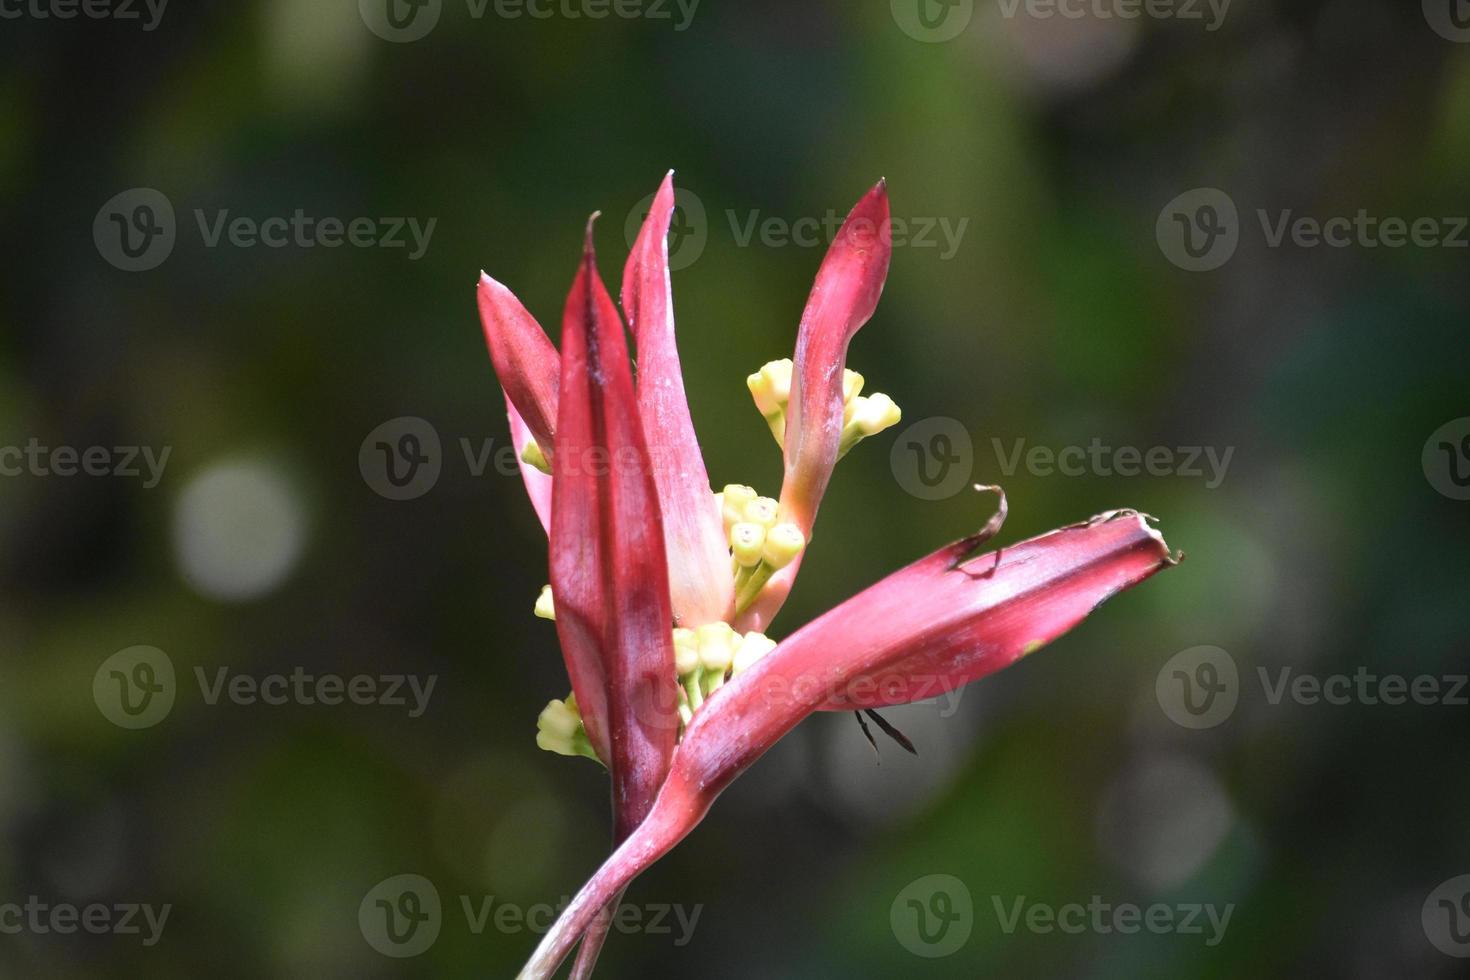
(783, 543)
(544, 605)
(747, 539)
(686, 651)
(753, 646)
(877, 413)
(762, 511)
(732, 503)
(716, 646)
(532, 455)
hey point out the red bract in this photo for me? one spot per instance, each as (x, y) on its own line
(608, 571)
(699, 562)
(637, 548)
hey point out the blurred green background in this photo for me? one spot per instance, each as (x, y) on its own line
(1051, 147)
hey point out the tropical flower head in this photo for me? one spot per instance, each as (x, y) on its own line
(662, 588)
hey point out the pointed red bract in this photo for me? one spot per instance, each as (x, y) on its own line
(843, 298)
(525, 360)
(699, 559)
(608, 573)
(942, 622)
(948, 616)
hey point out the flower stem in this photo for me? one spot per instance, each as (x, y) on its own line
(676, 812)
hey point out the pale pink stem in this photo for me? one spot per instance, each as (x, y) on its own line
(593, 941)
(675, 813)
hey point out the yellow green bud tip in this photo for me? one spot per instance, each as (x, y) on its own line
(783, 543)
(753, 646)
(532, 455)
(747, 539)
(559, 720)
(852, 384)
(559, 729)
(732, 501)
(716, 646)
(771, 389)
(876, 413)
(738, 494)
(762, 511)
(544, 606)
(686, 651)
(765, 398)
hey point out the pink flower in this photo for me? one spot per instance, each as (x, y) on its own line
(661, 587)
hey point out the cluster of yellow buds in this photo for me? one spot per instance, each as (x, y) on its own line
(760, 543)
(706, 657)
(862, 415)
(559, 729)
